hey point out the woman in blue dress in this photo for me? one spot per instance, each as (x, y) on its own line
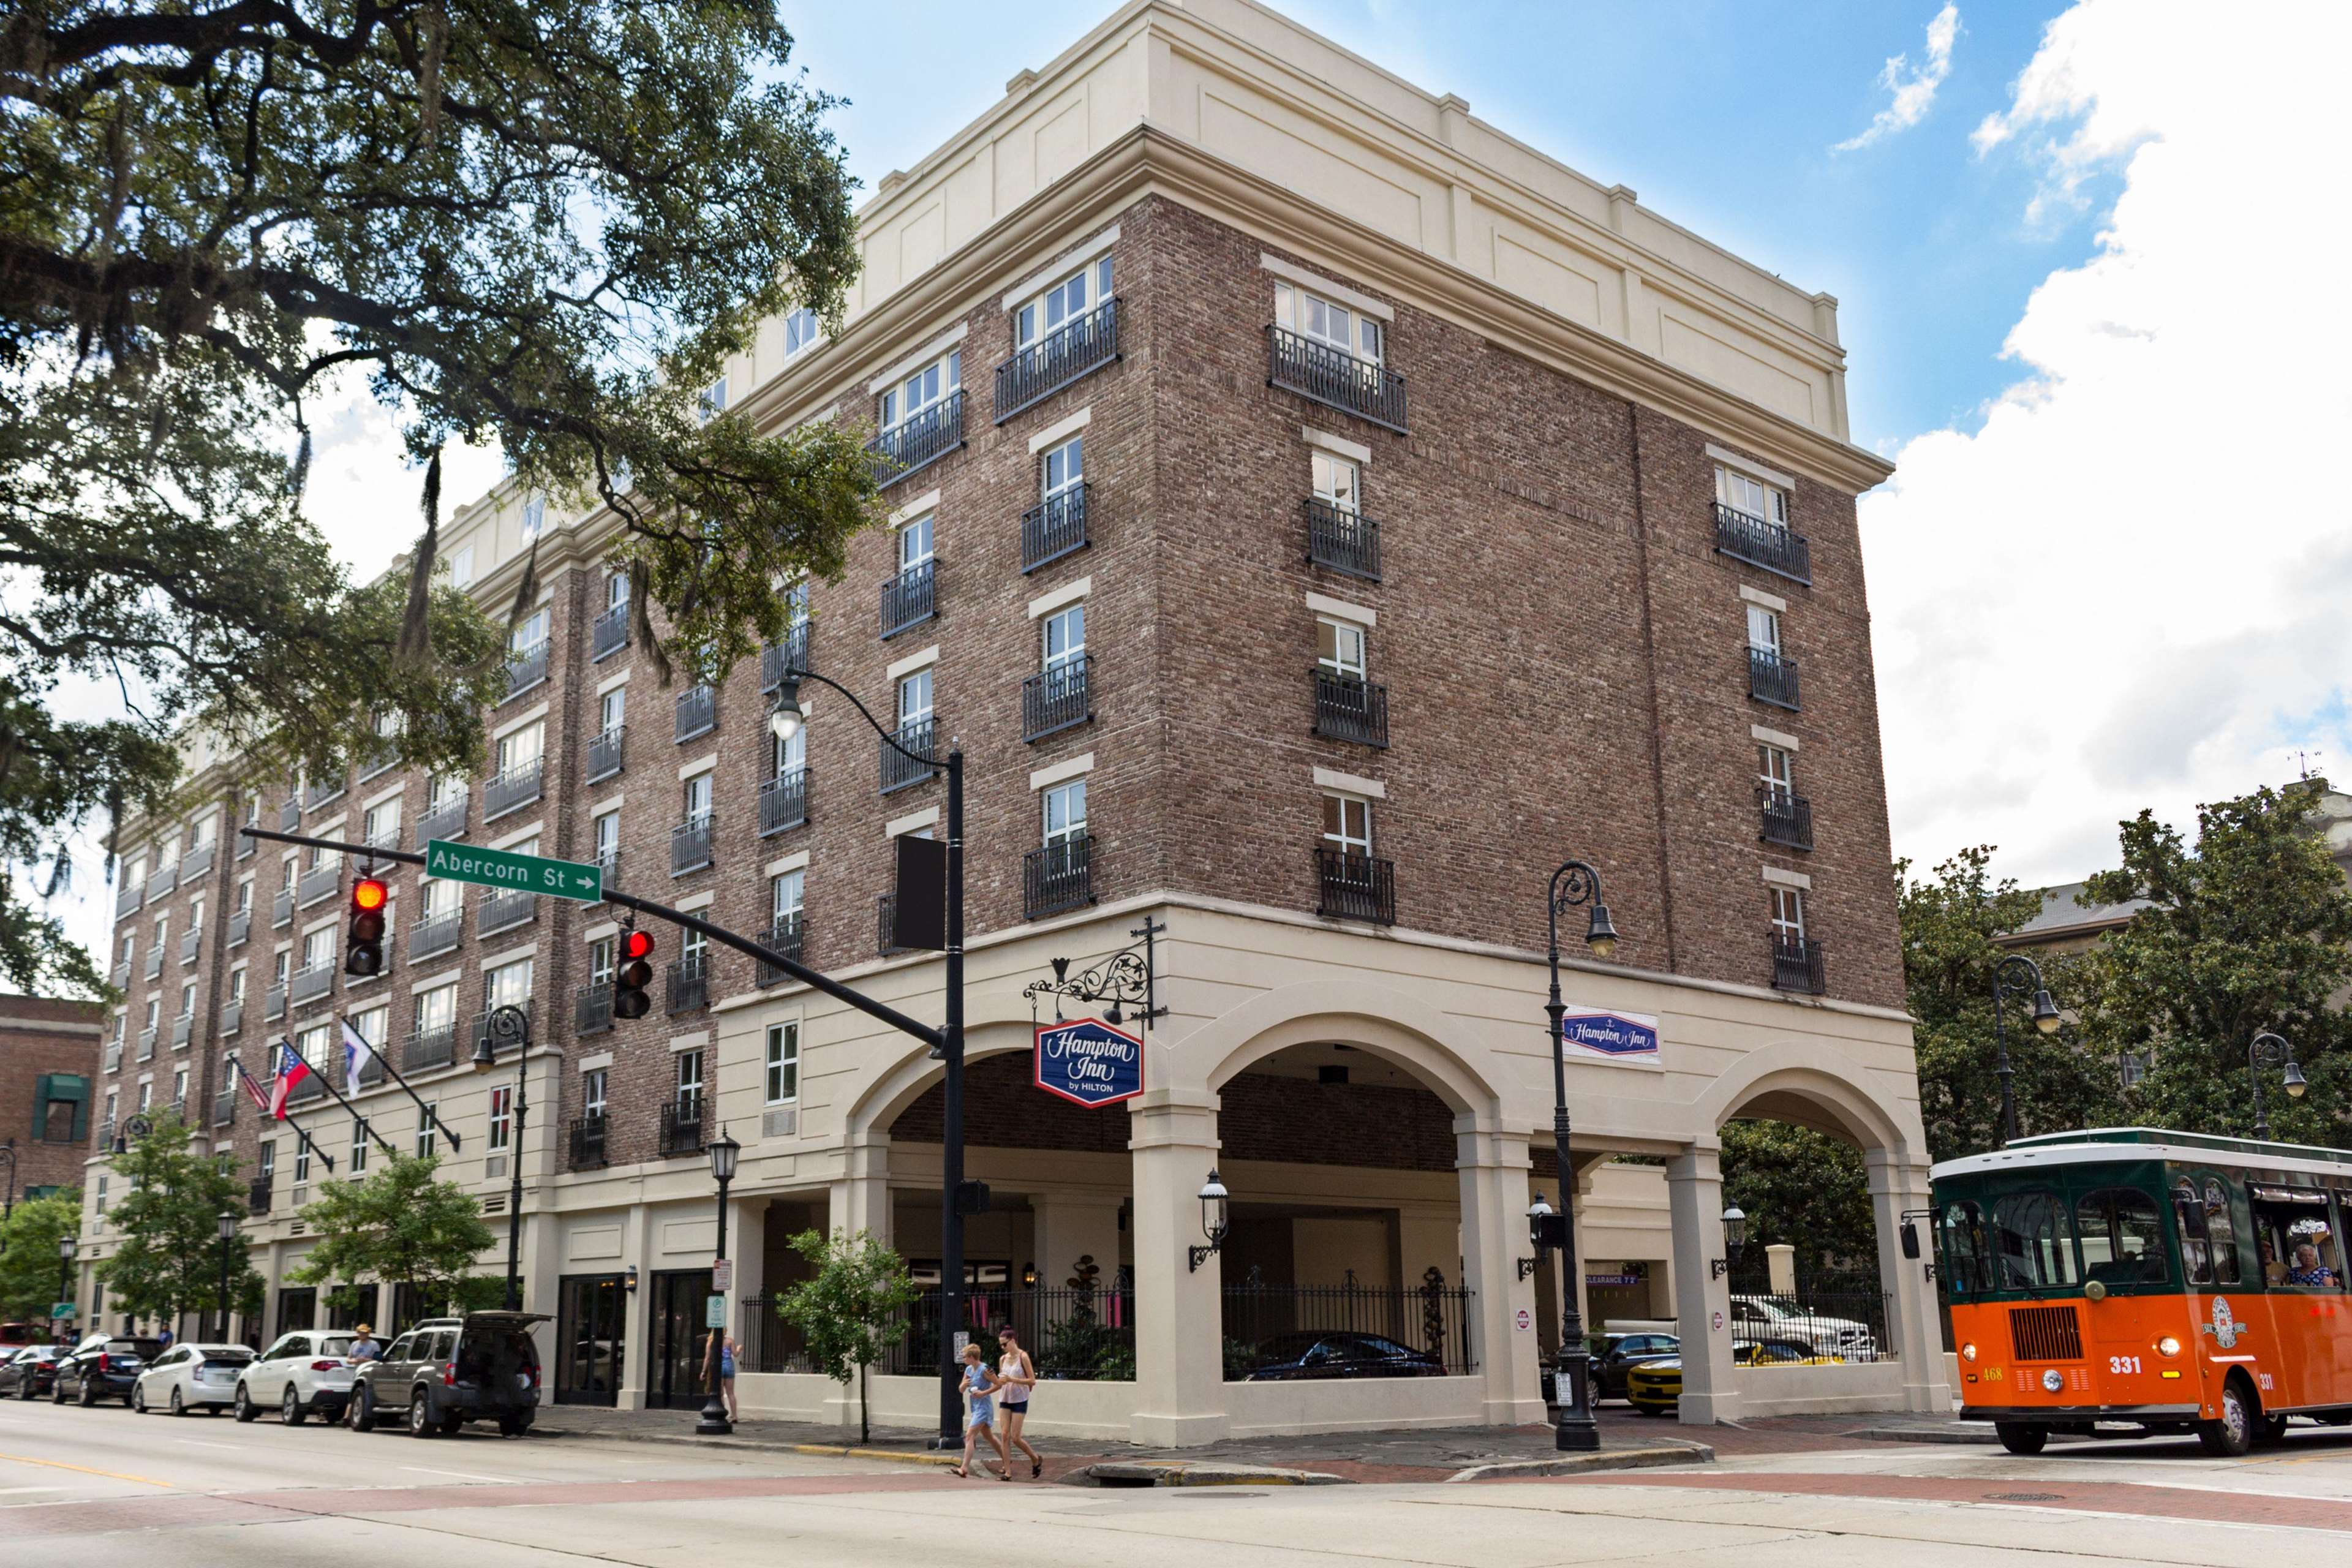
(980, 1386)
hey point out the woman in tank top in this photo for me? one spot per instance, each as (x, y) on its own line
(1016, 1374)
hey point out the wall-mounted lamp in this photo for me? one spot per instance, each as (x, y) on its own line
(1216, 1220)
(1735, 1242)
(632, 1284)
(1028, 1276)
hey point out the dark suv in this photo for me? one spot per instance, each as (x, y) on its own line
(446, 1372)
(103, 1366)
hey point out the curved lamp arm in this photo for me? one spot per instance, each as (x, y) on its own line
(788, 693)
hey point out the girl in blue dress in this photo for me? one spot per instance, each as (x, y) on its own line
(980, 1386)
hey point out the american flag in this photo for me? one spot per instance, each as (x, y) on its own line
(252, 1088)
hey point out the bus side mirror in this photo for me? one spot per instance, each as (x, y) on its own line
(1910, 1241)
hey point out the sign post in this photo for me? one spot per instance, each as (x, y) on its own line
(455, 862)
(722, 1276)
(1088, 1063)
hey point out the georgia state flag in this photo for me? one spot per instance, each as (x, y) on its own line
(291, 1071)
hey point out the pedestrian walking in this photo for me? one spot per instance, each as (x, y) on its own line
(979, 1384)
(363, 1346)
(725, 1350)
(165, 1339)
(1018, 1374)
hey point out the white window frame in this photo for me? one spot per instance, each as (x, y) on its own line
(781, 1080)
(1346, 638)
(1062, 467)
(787, 893)
(1067, 624)
(1076, 293)
(358, 1144)
(1338, 482)
(803, 329)
(1786, 909)
(1345, 839)
(1062, 811)
(1751, 497)
(688, 1076)
(916, 683)
(1341, 328)
(922, 389)
(501, 1124)
(1764, 630)
(916, 540)
(1776, 768)
(711, 402)
(594, 1085)
(426, 1130)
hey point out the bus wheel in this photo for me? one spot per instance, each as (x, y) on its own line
(2019, 1439)
(2270, 1431)
(2233, 1434)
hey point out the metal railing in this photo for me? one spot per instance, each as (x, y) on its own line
(503, 909)
(1837, 1312)
(433, 1047)
(1745, 537)
(446, 820)
(129, 898)
(787, 935)
(783, 802)
(256, 1197)
(917, 441)
(681, 1127)
(885, 926)
(1787, 817)
(314, 1087)
(1072, 1336)
(318, 791)
(604, 752)
(224, 1107)
(1351, 887)
(512, 790)
(1772, 678)
(246, 848)
(282, 908)
(232, 1016)
(478, 1031)
(310, 983)
(591, 1008)
(196, 863)
(689, 845)
(120, 974)
(1335, 378)
(697, 712)
(1797, 965)
(371, 1069)
(162, 881)
(609, 634)
(1053, 528)
(434, 933)
(114, 1056)
(608, 862)
(377, 760)
(1084, 343)
(190, 944)
(526, 668)
(1341, 539)
(1268, 1327)
(1349, 708)
(686, 985)
(147, 1043)
(183, 1027)
(791, 653)
(1057, 698)
(319, 884)
(273, 1003)
(289, 814)
(1057, 877)
(898, 770)
(587, 1142)
(240, 927)
(155, 960)
(909, 598)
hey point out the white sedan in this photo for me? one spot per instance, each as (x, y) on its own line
(190, 1377)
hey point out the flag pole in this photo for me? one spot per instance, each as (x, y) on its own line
(327, 1081)
(432, 1115)
(262, 1103)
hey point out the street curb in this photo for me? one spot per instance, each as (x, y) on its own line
(1960, 1435)
(900, 1455)
(757, 1446)
(1586, 1463)
(1192, 1473)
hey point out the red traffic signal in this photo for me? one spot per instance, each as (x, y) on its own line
(363, 946)
(636, 972)
(637, 944)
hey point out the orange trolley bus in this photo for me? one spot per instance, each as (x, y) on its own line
(2171, 1281)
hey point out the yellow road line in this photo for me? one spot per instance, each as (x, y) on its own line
(85, 1469)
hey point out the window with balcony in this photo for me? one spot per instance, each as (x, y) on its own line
(697, 714)
(1751, 524)
(610, 632)
(604, 747)
(1352, 882)
(916, 729)
(1059, 335)
(605, 837)
(1771, 673)
(909, 595)
(784, 795)
(1796, 957)
(441, 922)
(433, 1028)
(502, 909)
(1056, 525)
(691, 839)
(1058, 696)
(921, 418)
(527, 654)
(1788, 817)
(1334, 354)
(1348, 706)
(444, 810)
(1338, 535)
(518, 760)
(1058, 875)
(784, 927)
(379, 824)
(689, 977)
(681, 1120)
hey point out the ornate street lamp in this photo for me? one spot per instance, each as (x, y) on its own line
(1573, 884)
(1216, 1221)
(226, 1226)
(2010, 978)
(509, 1026)
(724, 1152)
(2269, 1050)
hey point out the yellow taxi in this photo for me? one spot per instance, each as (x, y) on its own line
(1654, 1387)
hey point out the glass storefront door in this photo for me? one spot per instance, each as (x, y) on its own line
(674, 1371)
(591, 1314)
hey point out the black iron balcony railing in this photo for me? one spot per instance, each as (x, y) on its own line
(917, 441)
(885, 926)
(376, 760)
(246, 848)
(1341, 539)
(434, 1045)
(512, 790)
(224, 1107)
(113, 1060)
(1057, 698)
(787, 935)
(526, 668)
(310, 983)
(1772, 678)
(503, 909)
(608, 861)
(689, 845)
(382, 837)
(434, 933)
(908, 599)
(681, 1126)
(1745, 537)
(105, 1141)
(1335, 378)
(1787, 817)
(1347, 707)
(604, 752)
(1352, 887)
(314, 1087)
(232, 1016)
(371, 1071)
(478, 1031)
(688, 986)
(446, 820)
(610, 633)
(154, 961)
(162, 881)
(588, 1143)
(783, 802)
(591, 1008)
(195, 862)
(1084, 343)
(899, 771)
(273, 1003)
(282, 908)
(319, 883)
(318, 791)
(127, 899)
(791, 653)
(256, 1197)
(1057, 877)
(183, 1027)
(289, 814)
(1053, 528)
(121, 975)
(1797, 965)
(190, 945)
(697, 712)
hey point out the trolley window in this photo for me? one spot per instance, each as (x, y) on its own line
(2209, 1235)
(2122, 1237)
(2299, 1245)
(2033, 1245)
(1968, 1262)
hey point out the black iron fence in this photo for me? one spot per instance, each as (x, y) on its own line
(1058, 877)
(1348, 1330)
(920, 439)
(1054, 527)
(1798, 965)
(697, 712)
(1055, 361)
(1832, 1312)
(1354, 887)
(1787, 817)
(899, 769)
(1362, 387)
(1772, 678)
(1745, 537)
(1074, 1336)
(909, 597)
(784, 801)
(1349, 708)
(1053, 700)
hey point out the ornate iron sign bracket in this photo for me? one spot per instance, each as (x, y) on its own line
(1128, 979)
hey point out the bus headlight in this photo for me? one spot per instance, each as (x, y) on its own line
(2167, 1345)
(1967, 1352)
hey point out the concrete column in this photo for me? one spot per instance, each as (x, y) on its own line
(860, 1199)
(1702, 1301)
(636, 1346)
(1071, 1226)
(1913, 1322)
(1492, 1165)
(1179, 1395)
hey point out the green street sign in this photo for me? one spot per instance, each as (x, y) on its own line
(515, 873)
(63, 1310)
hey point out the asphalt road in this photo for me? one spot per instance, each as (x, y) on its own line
(86, 1486)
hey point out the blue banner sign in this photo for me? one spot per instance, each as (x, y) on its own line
(1612, 1034)
(1089, 1063)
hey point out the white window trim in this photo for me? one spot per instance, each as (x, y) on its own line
(706, 764)
(1062, 773)
(914, 662)
(603, 806)
(611, 684)
(699, 901)
(700, 1041)
(1797, 879)
(605, 932)
(1773, 738)
(522, 721)
(512, 955)
(798, 860)
(518, 836)
(1055, 435)
(1750, 467)
(1349, 784)
(1772, 602)
(602, 1062)
(928, 501)
(913, 821)
(1070, 594)
(1340, 610)
(1336, 293)
(383, 797)
(1069, 261)
(936, 349)
(1338, 445)
(800, 1058)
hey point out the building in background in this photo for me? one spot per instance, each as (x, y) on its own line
(48, 1067)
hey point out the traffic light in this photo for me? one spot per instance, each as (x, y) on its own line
(363, 953)
(636, 972)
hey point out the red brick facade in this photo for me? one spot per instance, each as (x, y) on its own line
(44, 1038)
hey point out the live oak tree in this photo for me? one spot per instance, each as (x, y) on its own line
(28, 1253)
(543, 224)
(404, 1225)
(168, 1256)
(850, 1311)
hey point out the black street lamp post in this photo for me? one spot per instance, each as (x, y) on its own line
(509, 1026)
(784, 720)
(1574, 883)
(2269, 1050)
(2012, 977)
(227, 1227)
(68, 1245)
(8, 1205)
(723, 1151)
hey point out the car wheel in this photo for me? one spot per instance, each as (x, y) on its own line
(360, 1413)
(139, 1398)
(289, 1409)
(89, 1395)
(420, 1418)
(513, 1426)
(246, 1409)
(2233, 1434)
(179, 1407)
(2019, 1439)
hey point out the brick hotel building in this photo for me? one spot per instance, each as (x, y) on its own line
(1315, 516)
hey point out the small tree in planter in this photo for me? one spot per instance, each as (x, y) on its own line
(850, 1310)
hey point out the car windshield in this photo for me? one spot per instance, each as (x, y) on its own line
(237, 1353)
(141, 1348)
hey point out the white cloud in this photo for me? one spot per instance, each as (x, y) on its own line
(1912, 88)
(2126, 586)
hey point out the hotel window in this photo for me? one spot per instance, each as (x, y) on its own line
(424, 1130)
(358, 1144)
(783, 1084)
(520, 748)
(591, 1094)
(243, 903)
(155, 1009)
(1062, 303)
(608, 837)
(146, 1095)
(534, 517)
(440, 789)
(437, 1009)
(784, 897)
(442, 897)
(461, 566)
(313, 1044)
(914, 699)
(1765, 503)
(694, 953)
(528, 633)
(801, 330)
(1066, 812)
(787, 756)
(1764, 630)
(915, 542)
(1775, 770)
(1066, 637)
(318, 947)
(130, 946)
(235, 988)
(697, 794)
(601, 960)
(712, 403)
(282, 961)
(102, 1207)
(374, 1026)
(180, 1087)
(109, 1105)
(196, 918)
(1065, 466)
(163, 924)
(510, 984)
(924, 389)
(289, 871)
(1334, 326)
(688, 1095)
(1336, 481)
(301, 1160)
(501, 1116)
(1348, 824)
(616, 591)
(1339, 648)
(379, 824)
(613, 709)
(188, 1000)
(1788, 915)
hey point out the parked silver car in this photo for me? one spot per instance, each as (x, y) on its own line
(304, 1372)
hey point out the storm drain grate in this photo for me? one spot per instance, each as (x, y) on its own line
(2025, 1497)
